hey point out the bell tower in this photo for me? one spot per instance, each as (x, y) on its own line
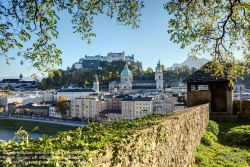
(159, 76)
(96, 84)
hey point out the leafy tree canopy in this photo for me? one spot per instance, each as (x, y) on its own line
(62, 105)
(23, 20)
(220, 27)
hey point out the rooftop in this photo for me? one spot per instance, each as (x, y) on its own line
(76, 90)
(203, 76)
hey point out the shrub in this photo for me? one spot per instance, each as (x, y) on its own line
(213, 127)
(239, 135)
(208, 138)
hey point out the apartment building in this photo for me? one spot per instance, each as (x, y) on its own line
(128, 108)
(143, 106)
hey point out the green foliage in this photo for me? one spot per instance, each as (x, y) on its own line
(62, 106)
(213, 127)
(26, 20)
(83, 142)
(239, 135)
(218, 27)
(220, 155)
(26, 111)
(208, 138)
(109, 72)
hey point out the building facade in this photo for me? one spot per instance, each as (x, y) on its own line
(127, 84)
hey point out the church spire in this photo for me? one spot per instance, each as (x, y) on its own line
(158, 65)
(126, 66)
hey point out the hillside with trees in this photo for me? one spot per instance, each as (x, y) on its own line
(110, 72)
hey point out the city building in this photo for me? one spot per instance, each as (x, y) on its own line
(128, 108)
(238, 85)
(143, 106)
(87, 108)
(127, 84)
(107, 116)
(16, 82)
(73, 93)
(34, 109)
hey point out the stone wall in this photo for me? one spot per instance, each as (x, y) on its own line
(172, 143)
(245, 108)
(198, 97)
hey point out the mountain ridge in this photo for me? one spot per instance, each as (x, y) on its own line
(192, 62)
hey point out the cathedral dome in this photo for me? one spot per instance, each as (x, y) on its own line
(126, 71)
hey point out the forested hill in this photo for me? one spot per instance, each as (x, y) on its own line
(110, 72)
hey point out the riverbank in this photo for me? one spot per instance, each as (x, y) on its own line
(27, 125)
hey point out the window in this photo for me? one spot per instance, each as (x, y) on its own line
(193, 87)
(202, 87)
(159, 77)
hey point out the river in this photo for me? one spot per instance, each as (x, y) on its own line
(7, 134)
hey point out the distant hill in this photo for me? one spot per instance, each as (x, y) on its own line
(192, 62)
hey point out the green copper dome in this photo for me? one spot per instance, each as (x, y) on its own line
(126, 71)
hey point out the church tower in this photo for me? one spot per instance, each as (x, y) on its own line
(21, 77)
(159, 76)
(96, 84)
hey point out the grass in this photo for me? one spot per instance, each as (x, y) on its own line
(30, 125)
(224, 127)
(223, 153)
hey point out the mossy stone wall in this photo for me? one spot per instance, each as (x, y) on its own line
(172, 143)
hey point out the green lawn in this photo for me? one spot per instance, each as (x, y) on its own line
(30, 125)
(223, 153)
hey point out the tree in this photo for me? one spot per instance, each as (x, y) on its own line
(26, 111)
(149, 70)
(16, 111)
(28, 19)
(62, 105)
(218, 27)
(41, 114)
(163, 68)
(1, 110)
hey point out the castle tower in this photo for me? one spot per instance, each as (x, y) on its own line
(96, 84)
(159, 76)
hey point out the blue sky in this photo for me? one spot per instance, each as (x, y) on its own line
(149, 43)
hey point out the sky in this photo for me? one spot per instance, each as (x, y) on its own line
(149, 43)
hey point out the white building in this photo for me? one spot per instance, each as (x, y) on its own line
(21, 98)
(127, 84)
(86, 108)
(15, 82)
(143, 106)
(73, 93)
(53, 113)
(238, 85)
